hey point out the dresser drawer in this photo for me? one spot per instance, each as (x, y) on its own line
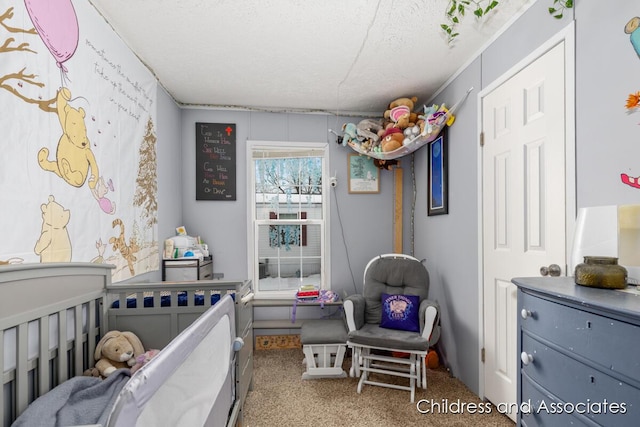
(181, 274)
(578, 384)
(544, 410)
(205, 271)
(585, 334)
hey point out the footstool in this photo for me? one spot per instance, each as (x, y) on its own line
(323, 343)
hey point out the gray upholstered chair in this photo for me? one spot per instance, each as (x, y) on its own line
(374, 347)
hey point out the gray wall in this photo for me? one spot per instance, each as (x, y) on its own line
(607, 71)
(450, 242)
(607, 144)
(364, 225)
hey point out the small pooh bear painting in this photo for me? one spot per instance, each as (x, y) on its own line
(54, 244)
(74, 157)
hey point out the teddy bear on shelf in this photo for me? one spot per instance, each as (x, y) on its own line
(367, 131)
(392, 140)
(400, 113)
(350, 135)
(117, 350)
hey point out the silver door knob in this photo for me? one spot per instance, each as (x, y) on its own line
(553, 270)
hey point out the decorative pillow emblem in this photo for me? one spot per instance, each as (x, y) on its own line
(400, 312)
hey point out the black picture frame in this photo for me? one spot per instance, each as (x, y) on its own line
(438, 176)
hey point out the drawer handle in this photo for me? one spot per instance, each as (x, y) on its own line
(525, 314)
(526, 358)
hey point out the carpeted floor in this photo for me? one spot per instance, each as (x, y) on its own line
(281, 398)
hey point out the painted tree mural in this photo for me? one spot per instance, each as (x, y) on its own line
(147, 180)
(15, 82)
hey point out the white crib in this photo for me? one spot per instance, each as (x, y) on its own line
(53, 314)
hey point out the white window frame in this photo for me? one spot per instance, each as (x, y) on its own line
(254, 223)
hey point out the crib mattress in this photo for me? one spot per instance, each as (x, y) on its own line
(165, 300)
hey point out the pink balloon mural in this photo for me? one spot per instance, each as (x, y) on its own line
(57, 25)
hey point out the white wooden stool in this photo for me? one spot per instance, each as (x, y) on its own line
(323, 344)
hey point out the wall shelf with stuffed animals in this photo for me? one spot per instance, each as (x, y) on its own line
(401, 131)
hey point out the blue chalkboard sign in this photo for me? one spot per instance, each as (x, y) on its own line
(215, 161)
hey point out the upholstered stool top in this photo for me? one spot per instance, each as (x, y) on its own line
(328, 331)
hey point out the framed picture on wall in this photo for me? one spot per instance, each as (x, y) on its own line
(364, 176)
(438, 188)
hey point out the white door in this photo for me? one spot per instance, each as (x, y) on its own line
(523, 207)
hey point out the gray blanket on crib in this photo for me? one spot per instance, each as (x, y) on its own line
(77, 401)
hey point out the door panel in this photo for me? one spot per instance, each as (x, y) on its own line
(523, 172)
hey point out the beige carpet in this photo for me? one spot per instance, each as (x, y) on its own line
(281, 398)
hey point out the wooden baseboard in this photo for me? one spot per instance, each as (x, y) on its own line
(277, 342)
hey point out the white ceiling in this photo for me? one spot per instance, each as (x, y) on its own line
(338, 56)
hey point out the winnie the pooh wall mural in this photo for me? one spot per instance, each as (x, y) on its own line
(633, 100)
(54, 244)
(57, 26)
(74, 161)
(79, 143)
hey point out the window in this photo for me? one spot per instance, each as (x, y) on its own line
(282, 235)
(288, 234)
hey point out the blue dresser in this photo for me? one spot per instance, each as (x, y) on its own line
(579, 350)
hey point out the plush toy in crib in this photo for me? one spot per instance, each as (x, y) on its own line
(117, 350)
(143, 359)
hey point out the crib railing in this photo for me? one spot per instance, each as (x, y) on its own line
(45, 352)
(159, 311)
(53, 314)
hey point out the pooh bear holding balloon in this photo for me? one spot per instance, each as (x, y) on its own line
(74, 158)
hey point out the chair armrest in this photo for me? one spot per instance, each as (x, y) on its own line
(430, 320)
(354, 311)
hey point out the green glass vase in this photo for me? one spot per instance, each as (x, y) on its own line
(601, 272)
